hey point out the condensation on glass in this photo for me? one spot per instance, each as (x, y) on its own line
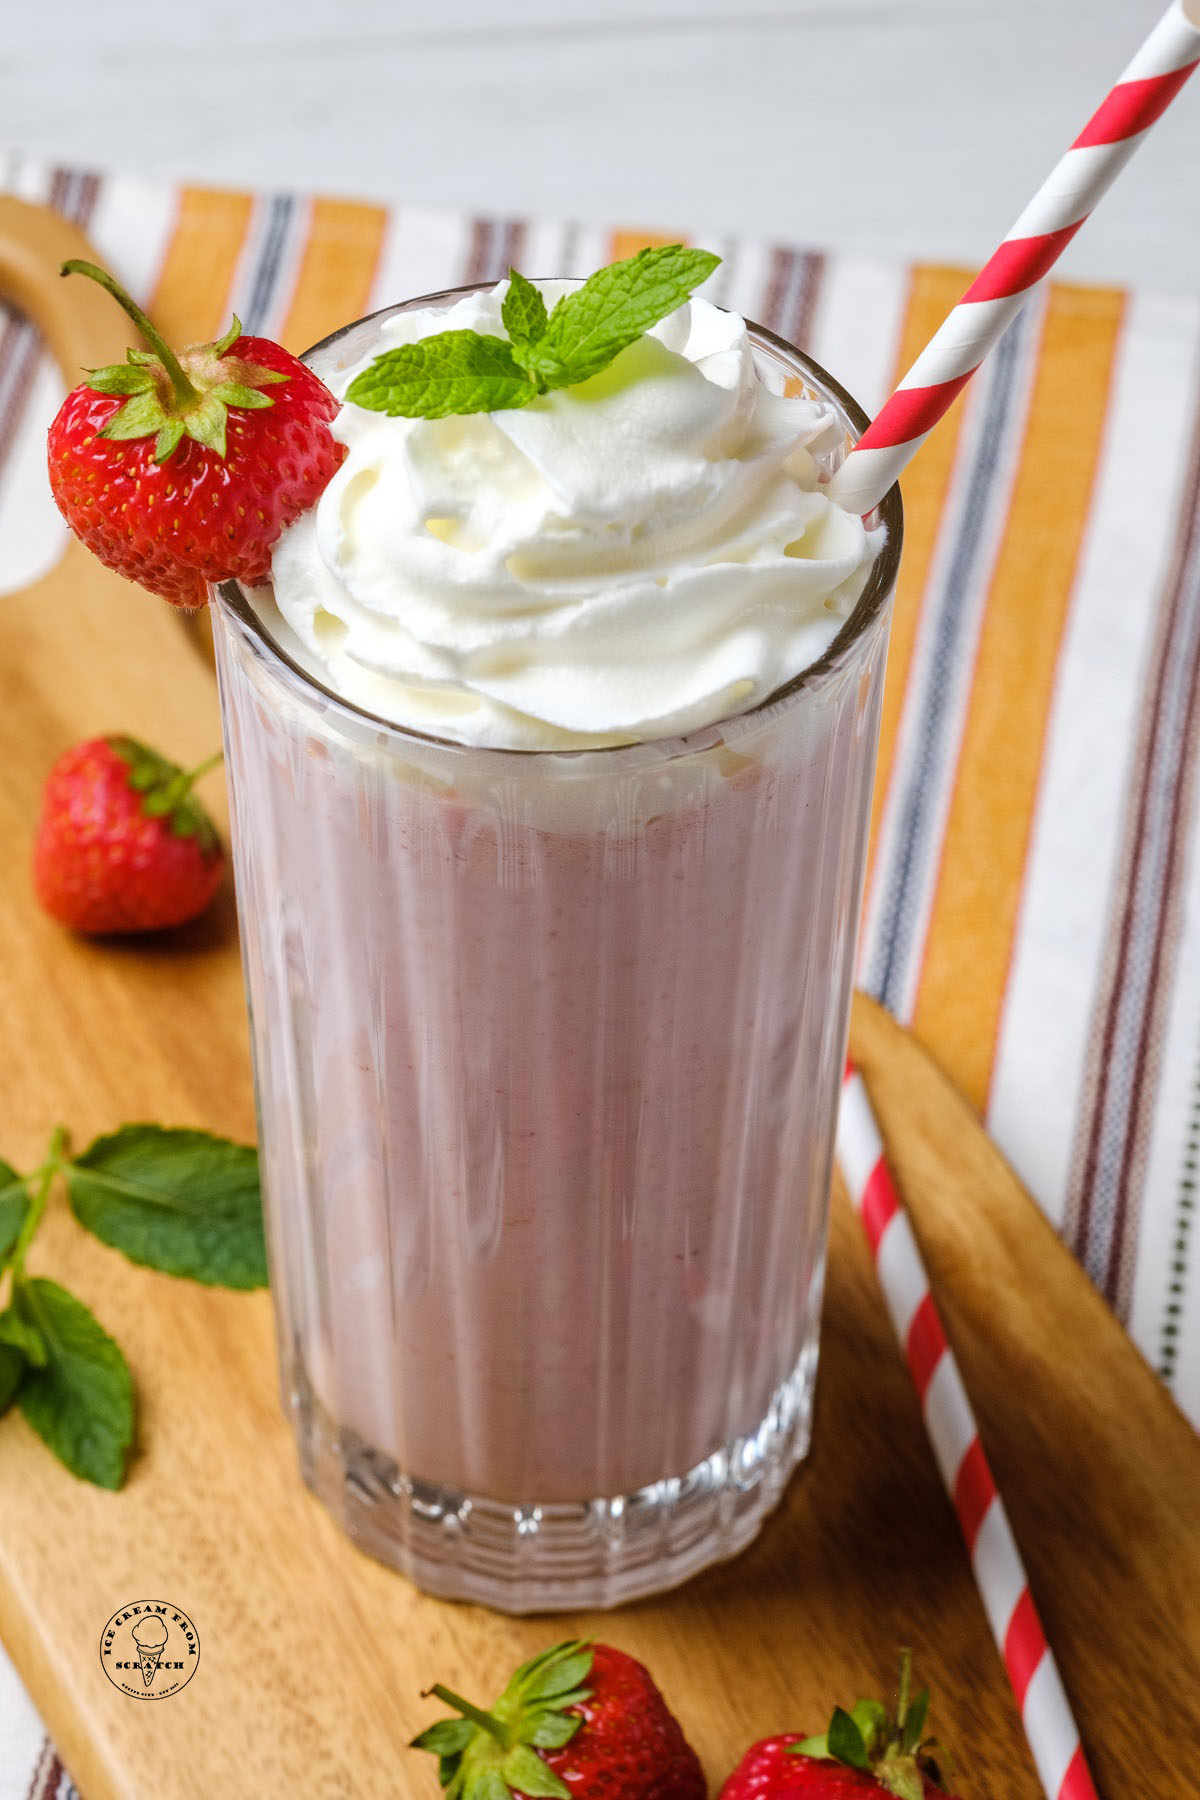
(547, 1052)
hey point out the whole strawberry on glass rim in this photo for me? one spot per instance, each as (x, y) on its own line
(866, 1751)
(180, 469)
(579, 1721)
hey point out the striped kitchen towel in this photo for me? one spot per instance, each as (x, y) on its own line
(1033, 908)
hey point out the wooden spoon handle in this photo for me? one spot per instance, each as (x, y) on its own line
(82, 326)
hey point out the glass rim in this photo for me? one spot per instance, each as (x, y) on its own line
(871, 602)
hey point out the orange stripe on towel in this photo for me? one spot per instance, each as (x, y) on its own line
(974, 918)
(190, 304)
(337, 270)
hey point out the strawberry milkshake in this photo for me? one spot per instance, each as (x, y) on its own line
(550, 747)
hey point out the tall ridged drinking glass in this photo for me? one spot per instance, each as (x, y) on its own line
(547, 1051)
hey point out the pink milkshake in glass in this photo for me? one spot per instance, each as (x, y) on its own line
(550, 758)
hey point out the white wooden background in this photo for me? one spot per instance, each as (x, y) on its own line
(900, 127)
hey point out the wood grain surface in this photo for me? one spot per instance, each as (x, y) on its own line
(313, 1657)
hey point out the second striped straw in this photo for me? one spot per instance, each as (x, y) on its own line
(954, 1436)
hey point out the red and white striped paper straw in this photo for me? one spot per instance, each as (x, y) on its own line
(999, 1572)
(1030, 250)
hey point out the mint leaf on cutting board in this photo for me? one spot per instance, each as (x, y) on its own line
(20, 1333)
(12, 1368)
(14, 1204)
(81, 1402)
(184, 1202)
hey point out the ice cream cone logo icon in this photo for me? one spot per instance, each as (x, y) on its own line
(150, 1636)
(150, 1649)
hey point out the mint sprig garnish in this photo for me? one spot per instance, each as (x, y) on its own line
(470, 371)
(183, 1202)
(455, 372)
(523, 311)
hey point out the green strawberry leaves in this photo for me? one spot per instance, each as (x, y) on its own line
(846, 1741)
(185, 1202)
(166, 790)
(893, 1750)
(80, 1401)
(168, 396)
(469, 372)
(491, 1755)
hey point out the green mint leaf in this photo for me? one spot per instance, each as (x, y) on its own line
(12, 1368)
(524, 1771)
(613, 308)
(524, 311)
(19, 1333)
(846, 1741)
(185, 1202)
(454, 372)
(81, 1402)
(14, 1204)
(449, 1737)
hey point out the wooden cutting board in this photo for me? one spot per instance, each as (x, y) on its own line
(313, 1657)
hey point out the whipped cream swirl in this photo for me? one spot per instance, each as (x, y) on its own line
(630, 558)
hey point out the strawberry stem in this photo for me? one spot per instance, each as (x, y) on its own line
(44, 1178)
(182, 781)
(202, 768)
(185, 393)
(475, 1713)
(905, 1684)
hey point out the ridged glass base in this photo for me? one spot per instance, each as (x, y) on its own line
(557, 1557)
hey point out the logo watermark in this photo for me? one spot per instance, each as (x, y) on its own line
(149, 1649)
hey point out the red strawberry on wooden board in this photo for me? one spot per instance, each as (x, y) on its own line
(866, 1751)
(123, 844)
(578, 1722)
(181, 469)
